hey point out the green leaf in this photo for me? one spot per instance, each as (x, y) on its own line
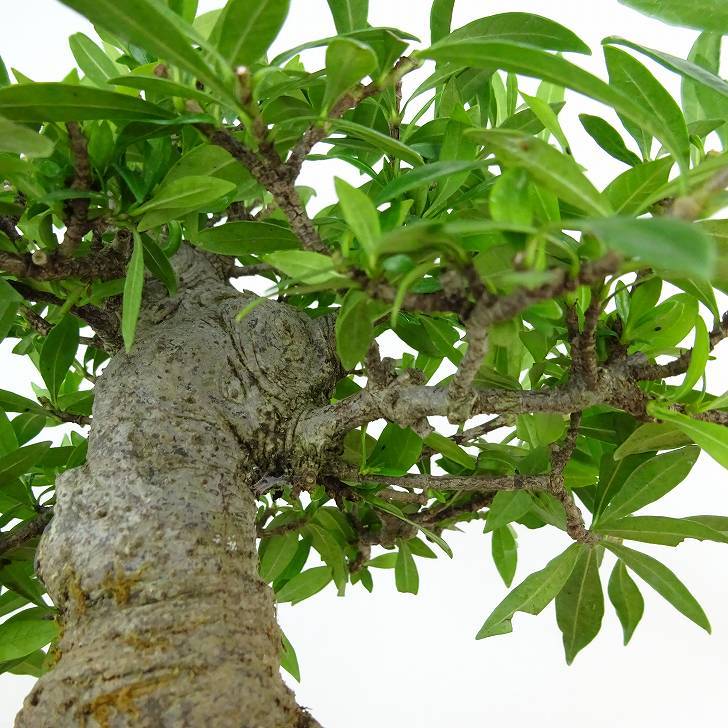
(354, 330)
(186, 193)
(505, 553)
(26, 632)
(65, 102)
(361, 216)
(276, 553)
(382, 143)
(397, 450)
(608, 138)
(246, 28)
(507, 506)
(158, 264)
(699, 355)
(97, 66)
(580, 604)
(528, 61)
(22, 460)
(687, 69)
(132, 298)
(525, 28)
(547, 165)
(626, 598)
(151, 25)
(533, 594)
(660, 530)
(445, 446)
(11, 402)
(289, 661)
(58, 352)
(8, 438)
(18, 139)
(412, 179)
(304, 585)
(659, 241)
(710, 436)
(160, 86)
(349, 15)
(246, 237)
(650, 481)
(701, 14)
(663, 581)
(405, 570)
(632, 190)
(440, 19)
(347, 62)
(303, 265)
(629, 76)
(652, 436)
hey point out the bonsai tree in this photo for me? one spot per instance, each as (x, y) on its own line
(228, 463)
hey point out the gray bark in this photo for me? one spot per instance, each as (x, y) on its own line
(151, 556)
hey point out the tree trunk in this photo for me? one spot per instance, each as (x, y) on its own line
(151, 556)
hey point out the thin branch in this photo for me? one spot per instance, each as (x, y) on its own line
(105, 265)
(642, 370)
(473, 433)
(25, 531)
(449, 482)
(77, 224)
(275, 179)
(318, 132)
(575, 526)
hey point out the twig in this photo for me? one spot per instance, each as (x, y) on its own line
(25, 531)
(77, 225)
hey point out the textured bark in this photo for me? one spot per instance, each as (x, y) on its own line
(151, 556)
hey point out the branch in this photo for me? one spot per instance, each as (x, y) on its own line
(642, 370)
(275, 179)
(489, 310)
(318, 132)
(448, 482)
(575, 526)
(105, 265)
(25, 531)
(77, 225)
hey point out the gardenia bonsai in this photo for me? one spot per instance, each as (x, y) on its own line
(228, 463)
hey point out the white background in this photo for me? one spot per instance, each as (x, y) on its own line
(389, 659)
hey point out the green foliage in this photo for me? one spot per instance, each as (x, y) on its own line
(467, 210)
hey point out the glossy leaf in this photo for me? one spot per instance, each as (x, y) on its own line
(276, 554)
(526, 28)
(630, 77)
(701, 14)
(505, 553)
(58, 352)
(547, 165)
(626, 598)
(97, 66)
(608, 138)
(440, 19)
(246, 237)
(710, 436)
(405, 570)
(246, 28)
(361, 216)
(698, 360)
(507, 506)
(66, 102)
(347, 62)
(349, 15)
(533, 594)
(354, 330)
(632, 190)
(652, 436)
(17, 139)
(132, 299)
(304, 585)
(651, 480)
(25, 632)
(663, 581)
(665, 242)
(153, 26)
(21, 460)
(580, 604)
(383, 143)
(660, 529)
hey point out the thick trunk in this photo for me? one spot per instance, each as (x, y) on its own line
(151, 555)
